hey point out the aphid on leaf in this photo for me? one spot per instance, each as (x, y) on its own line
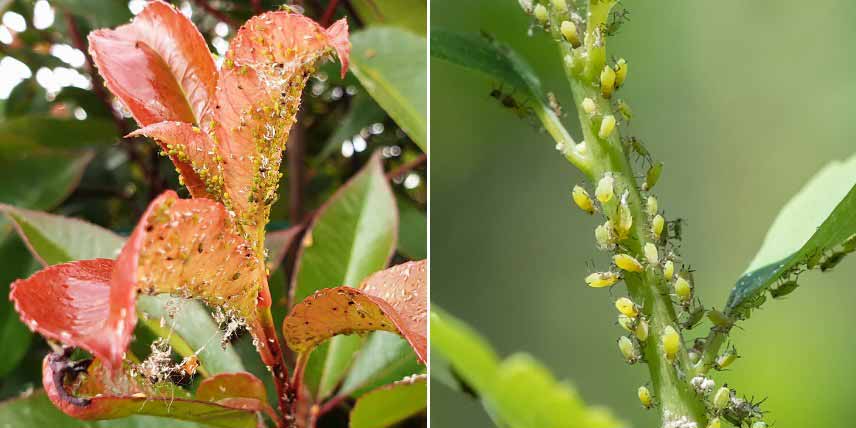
(832, 261)
(721, 398)
(616, 19)
(645, 397)
(784, 289)
(652, 176)
(508, 101)
(719, 319)
(607, 127)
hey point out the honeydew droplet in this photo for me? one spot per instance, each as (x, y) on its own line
(620, 72)
(602, 279)
(644, 397)
(627, 307)
(607, 126)
(657, 225)
(721, 398)
(641, 330)
(569, 32)
(582, 199)
(714, 423)
(589, 106)
(628, 349)
(627, 262)
(607, 81)
(669, 269)
(671, 343)
(651, 206)
(540, 13)
(605, 189)
(651, 254)
(683, 289)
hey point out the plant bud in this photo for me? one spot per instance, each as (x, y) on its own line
(627, 323)
(604, 190)
(657, 225)
(627, 262)
(607, 81)
(714, 423)
(602, 279)
(569, 32)
(628, 350)
(582, 199)
(620, 72)
(725, 359)
(540, 13)
(607, 126)
(651, 206)
(683, 289)
(721, 398)
(589, 106)
(627, 307)
(669, 270)
(651, 253)
(602, 235)
(671, 343)
(641, 330)
(645, 397)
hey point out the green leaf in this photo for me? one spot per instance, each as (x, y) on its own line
(35, 132)
(391, 65)
(28, 97)
(519, 391)
(38, 411)
(55, 239)
(363, 112)
(40, 181)
(413, 231)
(385, 358)
(408, 14)
(815, 222)
(109, 13)
(390, 404)
(14, 335)
(352, 236)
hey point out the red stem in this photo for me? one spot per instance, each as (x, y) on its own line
(216, 13)
(407, 167)
(267, 343)
(328, 13)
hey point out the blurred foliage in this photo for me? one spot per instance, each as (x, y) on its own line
(61, 145)
(740, 107)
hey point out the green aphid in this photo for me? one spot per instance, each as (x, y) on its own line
(652, 176)
(636, 146)
(624, 110)
(784, 289)
(849, 244)
(694, 318)
(814, 259)
(832, 261)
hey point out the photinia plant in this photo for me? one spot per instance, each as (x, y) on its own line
(225, 131)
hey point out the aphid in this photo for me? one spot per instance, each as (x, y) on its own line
(602, 279)
(726, 359)
(607, 126)
(627, 307)
(508, 101)
(652, 176)
(625, 111)
(657, 224)
(635, 145)
(683, 290)
(605, 189)
(721, 398)
(742, 411)
(627, 262)
(560, 6)
(833, 260)
(582, 199)
(625, 217)
(569, 32)
(694, 318)
(651, 254)
(628, 350)
(814, 259)
(783, 289)
(651, 206)
(554, 104)
(607, 81)
(603, 235)
(617, 19)
(671, 343)
(627, 323)
(669, 269)
(719, 319)
(641, 330)
(620, 72)
(526, 5)
(645, 397)
(540, 13)
(589, 106)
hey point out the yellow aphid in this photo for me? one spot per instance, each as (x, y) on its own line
(628, 350)
(602, 279)
(620, 72)
(627, 307)
(603, 236)
(651, 254)
(582, 199)
(560, 5)
(645, 397)
(541, 13)
(671, 343)
(714, 423)
(605, 189)
(625, 219)
(725, 360)
(683, 289)
(569, 32)
(721, 398)
(589, 106)
(669, 269)
(607, 81)
(657, 225)
(641, 330)
(651, 207)
(607, 126)
(627, 323)
(627, 262)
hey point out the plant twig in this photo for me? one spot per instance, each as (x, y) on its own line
(213, 11)
(328, 13)
(407, 167)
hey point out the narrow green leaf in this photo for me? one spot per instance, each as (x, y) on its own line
(352, 236)
(408, 14)
(812, 225)
(35, 132)
(14, 335)
(519, 391)
(385, 358)
(390, 404)
(413, 231)
(391, 65)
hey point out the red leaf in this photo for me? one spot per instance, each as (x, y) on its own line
(70, 303)
(231, 385)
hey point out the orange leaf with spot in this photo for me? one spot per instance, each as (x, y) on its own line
(393, 300)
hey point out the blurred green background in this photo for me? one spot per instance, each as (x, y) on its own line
(743, 101)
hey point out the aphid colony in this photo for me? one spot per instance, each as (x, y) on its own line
(643, 244)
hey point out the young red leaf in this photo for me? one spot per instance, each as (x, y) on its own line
(70, 303)
(231, 385)
(345, 310)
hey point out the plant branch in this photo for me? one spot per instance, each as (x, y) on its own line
(270, 350)
(328, 13)
(407, 167)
